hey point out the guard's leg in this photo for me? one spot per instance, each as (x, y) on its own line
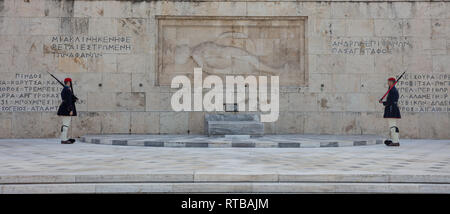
(395, 134)
(394, 130)
(389, 138)
(65, 128)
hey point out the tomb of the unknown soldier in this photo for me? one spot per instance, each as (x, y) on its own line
(224, 96)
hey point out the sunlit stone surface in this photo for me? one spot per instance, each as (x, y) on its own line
(333, 59)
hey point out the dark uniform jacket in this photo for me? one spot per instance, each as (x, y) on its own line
(391, 109)
(68, 103)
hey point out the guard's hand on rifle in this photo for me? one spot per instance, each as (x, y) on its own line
(71, 113)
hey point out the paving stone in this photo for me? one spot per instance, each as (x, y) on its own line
(134, 188)
(174, 144)
(359, 143)
(266, 144)
(48, 188)
(161, 177)
(329, 144)
(294, 187)
(243, 144)
(11, 179)
(192, 144)
(310, 144)
(119, 142)
(212, 187)
(429, 188)
(154, 143)
(333, 178)
(420, 178)
(289, 145)
(136, 143)
(345, 143)
(219, 144)
(220, 177)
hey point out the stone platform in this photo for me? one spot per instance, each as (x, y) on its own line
(46, 166)
(241, 141)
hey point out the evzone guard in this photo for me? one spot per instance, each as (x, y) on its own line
(392, 112)
(67, 110)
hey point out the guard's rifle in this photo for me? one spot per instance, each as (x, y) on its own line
(395, 83)
(76, 98)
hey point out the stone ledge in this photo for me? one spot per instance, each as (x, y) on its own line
(211, 176)
(268, 141)
(224, 188)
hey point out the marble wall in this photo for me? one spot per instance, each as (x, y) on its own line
(333, 58)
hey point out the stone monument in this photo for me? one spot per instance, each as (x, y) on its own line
(332, 59)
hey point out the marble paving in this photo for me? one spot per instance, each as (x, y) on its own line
(45, 166)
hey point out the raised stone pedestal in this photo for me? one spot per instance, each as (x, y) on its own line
(233, 124)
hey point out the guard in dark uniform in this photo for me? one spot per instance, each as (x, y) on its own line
(67, 110)
(392, 114)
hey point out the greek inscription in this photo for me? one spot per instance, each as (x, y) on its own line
(369, 46)
(424, 93)
(88, 46)
(29, 93)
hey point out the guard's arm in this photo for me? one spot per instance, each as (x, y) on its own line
(392, 98)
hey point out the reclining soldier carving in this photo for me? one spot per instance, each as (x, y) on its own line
(215, 58)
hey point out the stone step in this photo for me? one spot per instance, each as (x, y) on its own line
(233, 124)
(232, 117)
(234, 187)
(210, 182)
(235, 128)
(225, 177)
